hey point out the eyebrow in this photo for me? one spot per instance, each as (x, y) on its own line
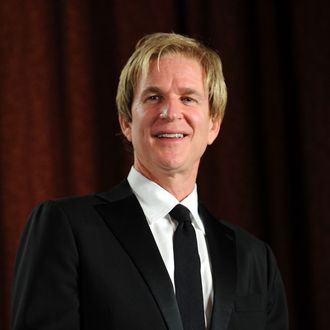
(190, 91)
(151, 90)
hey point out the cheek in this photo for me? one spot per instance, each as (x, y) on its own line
(144, 122)
(139, 130)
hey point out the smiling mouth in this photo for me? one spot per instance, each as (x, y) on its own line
(171, 135)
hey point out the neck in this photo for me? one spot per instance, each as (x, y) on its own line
(179, 184)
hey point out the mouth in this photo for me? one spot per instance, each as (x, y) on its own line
(171, 135)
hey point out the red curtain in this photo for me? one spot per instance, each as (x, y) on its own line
(268, 171)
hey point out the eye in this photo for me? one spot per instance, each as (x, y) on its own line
(187, 99)
(153, 98)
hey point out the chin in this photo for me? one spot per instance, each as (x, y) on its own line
(172, 165)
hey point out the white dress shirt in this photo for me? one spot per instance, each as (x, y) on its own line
(156, 203)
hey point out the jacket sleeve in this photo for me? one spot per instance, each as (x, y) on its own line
(45, 283)
(277, 310)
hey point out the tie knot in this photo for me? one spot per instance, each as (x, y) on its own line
(180, 213)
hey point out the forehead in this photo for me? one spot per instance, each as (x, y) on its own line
(173, 67)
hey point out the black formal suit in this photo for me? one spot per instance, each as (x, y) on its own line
(91, 263)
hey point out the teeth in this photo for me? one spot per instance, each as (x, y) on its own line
(171, 135)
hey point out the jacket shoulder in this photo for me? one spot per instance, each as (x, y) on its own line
(81, 202)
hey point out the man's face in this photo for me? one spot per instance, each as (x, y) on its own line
(171, 144)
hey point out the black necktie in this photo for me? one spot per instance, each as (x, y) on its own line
(187, 276)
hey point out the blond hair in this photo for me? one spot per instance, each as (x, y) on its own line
(156, 45)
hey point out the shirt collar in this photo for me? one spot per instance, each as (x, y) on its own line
(157, 202)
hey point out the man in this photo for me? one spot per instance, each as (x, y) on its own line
(127, 258)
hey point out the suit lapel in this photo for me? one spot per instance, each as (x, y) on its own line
(125, 218)
(221, 244)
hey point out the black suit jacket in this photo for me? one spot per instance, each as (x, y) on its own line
(92, 263)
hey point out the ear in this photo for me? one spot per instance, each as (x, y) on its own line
(214, 129)
(126, 128)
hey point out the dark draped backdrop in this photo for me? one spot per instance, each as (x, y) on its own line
(269, 169)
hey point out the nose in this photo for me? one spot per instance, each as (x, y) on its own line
(171, 111)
